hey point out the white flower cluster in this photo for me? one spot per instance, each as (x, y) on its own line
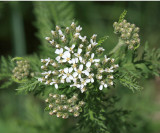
(76, 63)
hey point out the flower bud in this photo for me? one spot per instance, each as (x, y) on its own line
(127, 42)
(55, 96)
(81, 103)
(47, 100)
(63, 97)
(59, 114)
(73, 25)
(76, 35)
(135, 35)
(130, 47)
(110, 82)
(60, 107)
(65, 116)
(52, 42)
(81, 46)
(50, 113)
(57, 28)
(138, 40)
(123, 36)
(97, 65)
(50, 105)
(132, 25)
(48, 38)
(100, 70)
(120, 24)
(76, 108)
(67, 30)
(112, 60)
(57, 101)
(130, 29)
(99, 76)
(69, 101)
(57, 46)
(70, 110)
(136, 29)
(76, 114)
(53, 33)
(65, 107)
(55, 110)
(115, 24)
(94, 37)
(124, 21)
(110, 76)
(75, 97)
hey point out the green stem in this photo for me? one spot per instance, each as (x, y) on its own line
(120, 44)
(18, 30)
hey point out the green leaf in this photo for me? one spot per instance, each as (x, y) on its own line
(122, 16)
(102, 40)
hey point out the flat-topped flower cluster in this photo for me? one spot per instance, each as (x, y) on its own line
(77, 62)
(63, 107)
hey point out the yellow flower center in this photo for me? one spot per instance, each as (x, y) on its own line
(74, 65)
(68, 59)
(79, 71)
(60, 55)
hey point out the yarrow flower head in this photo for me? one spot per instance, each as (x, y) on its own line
(76, 62)
(128, 32)
(63, 107)
(22, 70)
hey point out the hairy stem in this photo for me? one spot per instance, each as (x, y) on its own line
(120, 44)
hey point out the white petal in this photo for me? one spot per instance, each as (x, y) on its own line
(73, 46)
(92, 55)
(71, 77)
(79, 76)
(70, 69)
(57, 51)
(80, 58)
(64, 60)
(76, 60)
(82, 90)
(40, 79)
(58, 58)
(79, 50)
(56, 86)
(66, 54)
(92, 80)
(101, 87)
(75, 74)
(86, 72)
(96, 60)
(105, 85)
(46, 76)
(87, 80)
(64, 76)
(51, 83)
(68, 80)
(81, 67)
(70, 61)
(66, 48)
(78, 85)
(61, 50)
(76, 54)
(88, 64)
(66, 70)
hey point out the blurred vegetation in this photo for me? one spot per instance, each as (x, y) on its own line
(25, 113)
